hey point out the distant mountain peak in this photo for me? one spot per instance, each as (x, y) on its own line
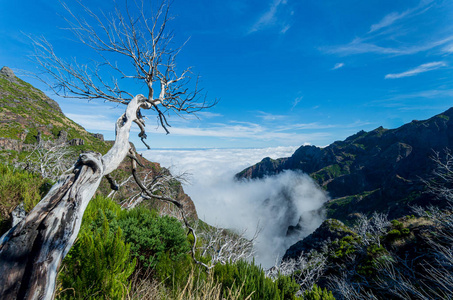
(7, 72)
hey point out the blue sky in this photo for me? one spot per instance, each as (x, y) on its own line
(286, 72)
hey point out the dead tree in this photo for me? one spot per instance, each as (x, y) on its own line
(31, 252)
(50, 159)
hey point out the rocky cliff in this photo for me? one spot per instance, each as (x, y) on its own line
(381, 170)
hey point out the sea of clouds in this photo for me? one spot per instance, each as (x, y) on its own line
(270, 204)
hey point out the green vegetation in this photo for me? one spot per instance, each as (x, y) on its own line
(398, 231)
(375, 254)
(153, 238)
(18, 186)
(344, 247)
(340, 208)
(317, 293)
(113, 244)
(98, 265)
(250, 280)
(27, 110)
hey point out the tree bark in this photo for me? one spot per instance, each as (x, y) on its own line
(32, 251)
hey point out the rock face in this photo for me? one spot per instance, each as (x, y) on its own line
(76, 142)
(377, 170)
(99, 136)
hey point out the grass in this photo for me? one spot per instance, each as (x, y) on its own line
(146, 288)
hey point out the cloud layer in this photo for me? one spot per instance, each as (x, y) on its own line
(273, 203)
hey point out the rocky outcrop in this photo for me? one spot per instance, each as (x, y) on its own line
(76, 142)
(378, 170)
(99, 136)
(10, 144)
(329, 231)
(7, 72)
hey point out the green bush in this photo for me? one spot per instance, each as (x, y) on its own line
(31, 137)
(344, 247)
(98, 265)
(250, 280)
(398, 231)
(317, 293)
(151, 237)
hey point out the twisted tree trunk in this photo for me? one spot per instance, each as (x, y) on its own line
(32, 251)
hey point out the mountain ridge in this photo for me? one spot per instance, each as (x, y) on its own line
(380, 170)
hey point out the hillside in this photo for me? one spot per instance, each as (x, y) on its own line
(28, 116)
(381, 170)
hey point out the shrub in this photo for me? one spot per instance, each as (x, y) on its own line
(153, 237)
(344, 247)
(249, 279)
(317, 293)
(98, 265)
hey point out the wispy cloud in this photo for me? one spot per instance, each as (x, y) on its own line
(93, 122)
(270, 117)
(420, 69)
(296, 132)
(387, 21)
(251, 131)
(359, 46)
(380, 38)
(448, 49)
(285, 29)
(208, 115)
(398, 100)
(296, 101)
(393, 17)
(338, 65)
(269, 18)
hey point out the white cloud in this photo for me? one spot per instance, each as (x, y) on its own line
(93, 122)
(269, 18)
(425, 94)
(250, 131)
(420, 69)
(338, 65)
(359, 46)
(296, 101)
(274, 202)
(448, 48)
(285, 29)
(270, 117)
(208, 115)
(388, 20)
(393, 17)
(380, 41)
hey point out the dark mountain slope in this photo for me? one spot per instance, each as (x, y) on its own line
(377, 170)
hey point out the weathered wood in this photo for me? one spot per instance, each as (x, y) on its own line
(32, 251)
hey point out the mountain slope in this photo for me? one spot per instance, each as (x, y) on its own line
(27, 114)
(379, 170)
